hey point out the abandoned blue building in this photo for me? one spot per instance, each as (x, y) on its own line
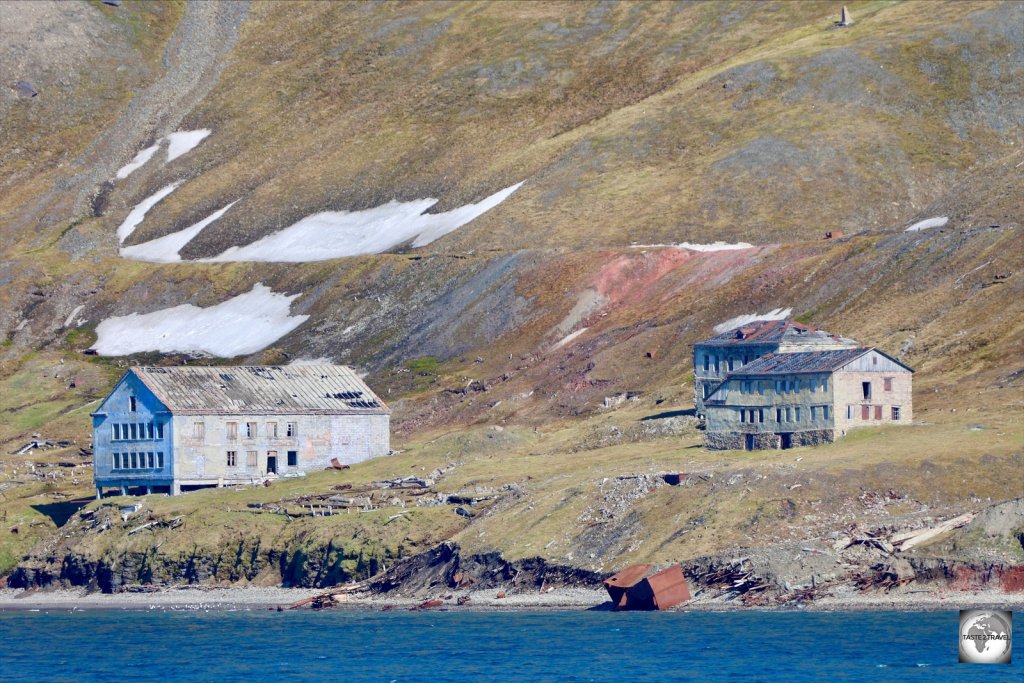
(171, 429)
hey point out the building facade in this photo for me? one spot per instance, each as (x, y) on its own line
(172, 429)
(730, 351)
(806, 398)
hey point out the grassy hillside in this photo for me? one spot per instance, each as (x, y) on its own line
(631, 124)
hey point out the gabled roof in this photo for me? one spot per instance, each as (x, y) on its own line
(772, 331)
(293, 389)
(806, 362)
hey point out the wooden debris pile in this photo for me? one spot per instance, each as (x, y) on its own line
(737, 577)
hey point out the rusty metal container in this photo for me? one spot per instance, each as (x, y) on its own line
(632, 589)
(618, 584)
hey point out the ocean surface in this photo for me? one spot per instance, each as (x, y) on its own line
(356, 646)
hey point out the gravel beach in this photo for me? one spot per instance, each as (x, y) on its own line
(250, 598)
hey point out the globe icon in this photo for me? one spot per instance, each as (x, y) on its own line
(985, 637)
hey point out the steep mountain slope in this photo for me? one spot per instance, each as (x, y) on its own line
(533, 307)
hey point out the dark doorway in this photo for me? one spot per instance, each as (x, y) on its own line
(786, 440)
(271, 464)
(749, 442)
(866, 390)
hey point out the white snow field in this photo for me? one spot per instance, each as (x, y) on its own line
(335, 234)
(740, 320)
(243, 324)
(165, 249)
(178, 143)
(936, 222)
(714, 246)
(138, 162)
(139, 212)
(184, 141)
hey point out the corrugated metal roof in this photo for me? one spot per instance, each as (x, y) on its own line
(773, 331)
(293, 389)
(800, 361)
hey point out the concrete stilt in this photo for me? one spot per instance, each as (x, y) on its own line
(99, 493)
(175, 489)
(124, 490)
(149, 490)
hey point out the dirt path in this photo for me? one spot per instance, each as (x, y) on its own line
(193, 59)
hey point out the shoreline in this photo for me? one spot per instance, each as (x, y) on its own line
(195, 598)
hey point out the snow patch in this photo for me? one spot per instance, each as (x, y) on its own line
(714, 246)
(184, 141)
(138, 162)
(336, 234)
(568, 338)
(71, 318)
(244, 324)
(165, 249)
(741, 320)
(936, 222)
(139, 212)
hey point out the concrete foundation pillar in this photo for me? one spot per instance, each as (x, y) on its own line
(124, 490)
(175, 489)
(99, 493)
(149, 490)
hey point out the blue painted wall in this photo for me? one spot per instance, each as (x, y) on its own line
(152, 434)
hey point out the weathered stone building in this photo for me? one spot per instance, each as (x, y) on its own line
(730, 351)
(804, 398)
(169, 429)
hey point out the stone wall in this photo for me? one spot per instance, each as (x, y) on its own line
(723, 441)
(813, 437)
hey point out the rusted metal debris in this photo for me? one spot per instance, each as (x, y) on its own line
(337, 464)
(634, 588)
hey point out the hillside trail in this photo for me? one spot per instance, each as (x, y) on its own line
(192, 59)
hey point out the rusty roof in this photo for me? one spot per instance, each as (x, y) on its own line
(772, 332)
(261, 389)
(799, 362)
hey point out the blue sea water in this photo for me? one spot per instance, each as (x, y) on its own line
(358, 646)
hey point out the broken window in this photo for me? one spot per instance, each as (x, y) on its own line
(824, 412)
(760, 415)
(150, 457)
(198, 430)
(232, 458)
(824, 384)
(707, 362)
(160, 459)
(887, 384)
(895, 413)
(779, 386)
(159, 430)
(293, 429)
(717, 370)
(743, 414)
(150, 430)
(135, 461)
(250, 459)
(730, 364)
(866, 390)
(232, 430)
(760, 387)
(293, 458)
(878, 412)
(133, 430)
(272, 426)
(250, 430)
(778, 414)
(133, 405)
